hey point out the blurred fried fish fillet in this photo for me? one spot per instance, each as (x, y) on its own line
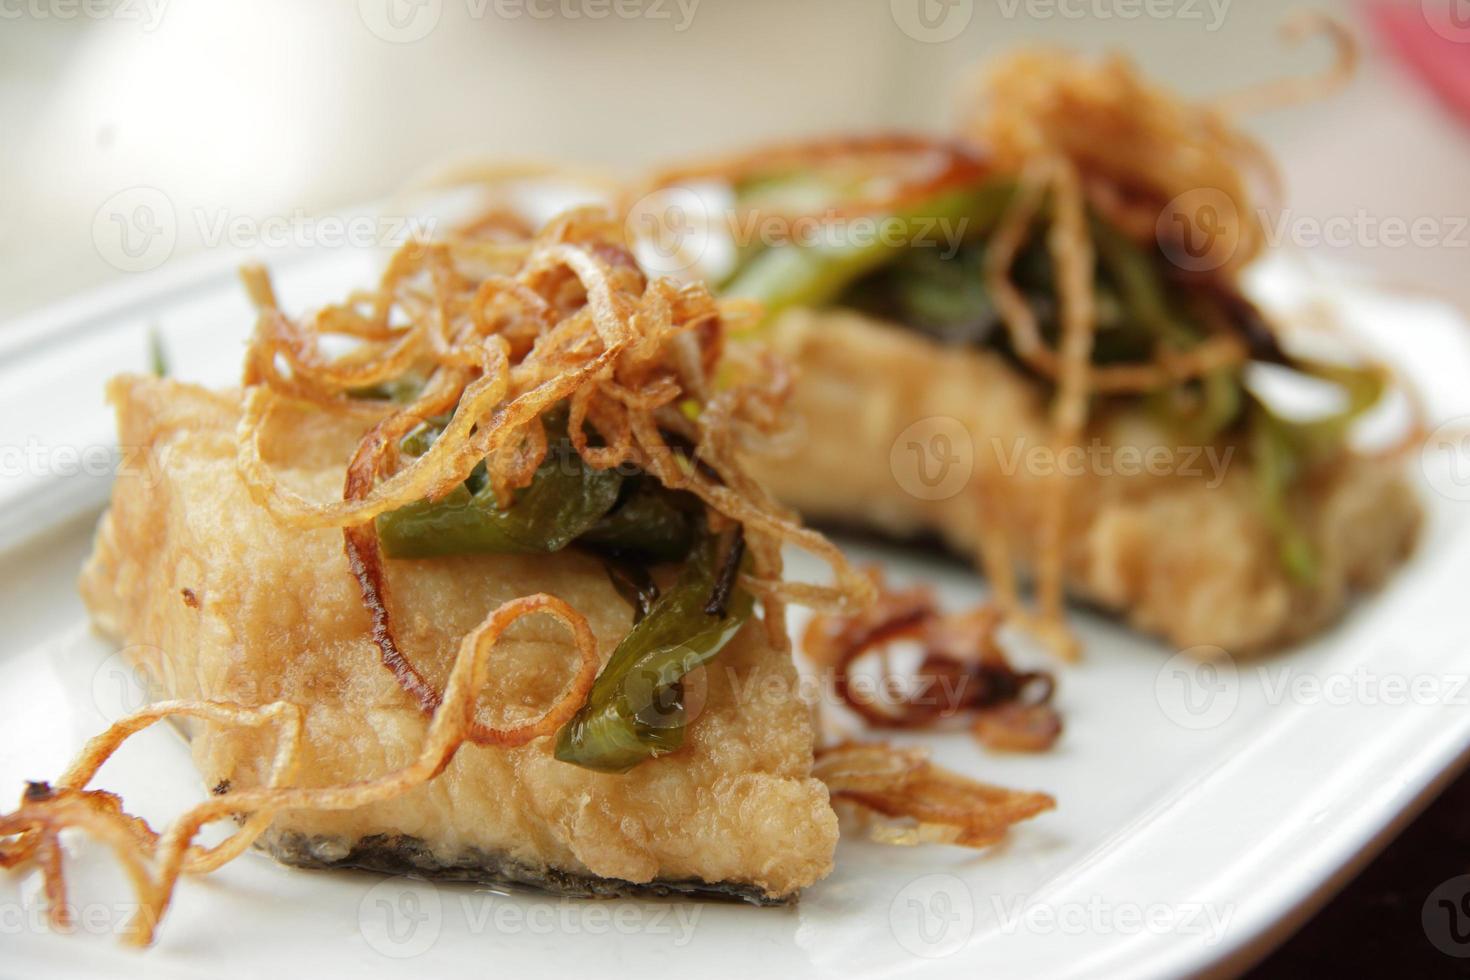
(1054, 298)
(1180, 547)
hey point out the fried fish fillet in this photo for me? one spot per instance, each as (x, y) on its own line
(1175, 542)
(217, 600)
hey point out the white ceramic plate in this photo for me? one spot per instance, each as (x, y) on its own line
(1203, 811)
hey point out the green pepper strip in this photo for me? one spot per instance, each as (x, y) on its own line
(649, 524)
(1141, 289)
(399, 391)
(157, 356)
(1278, 465)
(1363, 386)
(635, 710)
(814, 275)
(1283, 450)
(564, 500)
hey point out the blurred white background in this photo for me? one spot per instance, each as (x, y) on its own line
(273, 109)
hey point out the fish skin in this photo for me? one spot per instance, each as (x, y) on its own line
(276, 615)
(401, 855)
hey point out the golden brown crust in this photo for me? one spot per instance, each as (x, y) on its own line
(278, 617)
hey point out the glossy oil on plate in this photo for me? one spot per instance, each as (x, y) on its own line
(1203, 809)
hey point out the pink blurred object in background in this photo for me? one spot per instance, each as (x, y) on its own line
(1433, 39)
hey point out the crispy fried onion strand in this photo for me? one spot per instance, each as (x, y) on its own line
(913, 801)
(963, 670)
(1300, 26)
(1137, 148)
(499, 336)
(885, 172)
(154, 861)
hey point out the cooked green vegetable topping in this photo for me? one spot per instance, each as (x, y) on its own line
(1284, 450)
(815, 275)
(636, 711)
(399, 391)
(157, 356)
(566, 498)
(1278, 465)
(633, 583)
(652, 522)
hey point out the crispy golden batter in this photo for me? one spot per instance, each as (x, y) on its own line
(244, 609)
(1184, 554)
